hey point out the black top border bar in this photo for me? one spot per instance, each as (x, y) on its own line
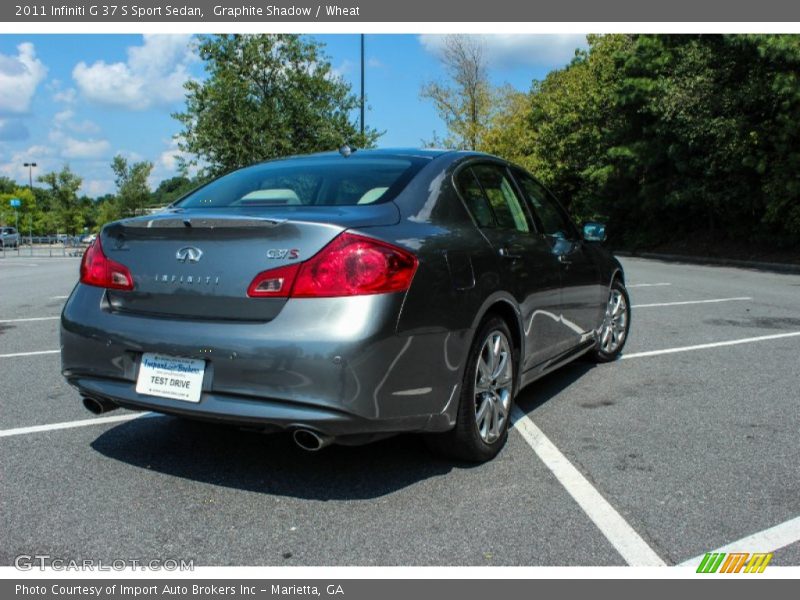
(151, 11)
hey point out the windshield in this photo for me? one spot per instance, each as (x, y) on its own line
(328, 181)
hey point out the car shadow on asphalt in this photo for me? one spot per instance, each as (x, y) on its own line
(551, 385)
(271, 464)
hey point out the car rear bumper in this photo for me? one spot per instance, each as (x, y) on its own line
(260, 413)
(334, 364)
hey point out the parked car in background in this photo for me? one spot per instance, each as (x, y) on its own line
(344, 299)
(88, 239)
(9, 237)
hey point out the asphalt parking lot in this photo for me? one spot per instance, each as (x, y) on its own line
(686, 445)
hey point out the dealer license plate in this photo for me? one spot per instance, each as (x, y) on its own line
(170, 377)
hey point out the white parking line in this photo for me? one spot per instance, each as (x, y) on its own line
(614, 527)
(59, 297)
(711, 301)
(768, 540)
(73, 424)
(29, 319)
(637, 285)
(760, 338)
(37, 353)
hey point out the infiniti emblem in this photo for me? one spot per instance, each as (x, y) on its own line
(189, 254)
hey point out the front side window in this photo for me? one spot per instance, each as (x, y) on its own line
(553, 220)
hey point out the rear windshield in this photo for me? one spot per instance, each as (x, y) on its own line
(329, 181)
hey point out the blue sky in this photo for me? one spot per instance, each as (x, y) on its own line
(81, 99)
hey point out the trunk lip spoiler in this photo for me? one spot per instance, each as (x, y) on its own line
(348, 217)
(204, 222)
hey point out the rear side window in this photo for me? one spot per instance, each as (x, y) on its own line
(324, 181)
(476, 202)
(506, 205)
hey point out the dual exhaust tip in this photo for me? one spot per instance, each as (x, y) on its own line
(98, 406)
(311, 441)
(308, 440)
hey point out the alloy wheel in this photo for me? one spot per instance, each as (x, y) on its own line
(494, 380)
(615, 323)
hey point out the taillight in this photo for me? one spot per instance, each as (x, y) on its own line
(97, 269)
(275, 283)
(351, 265)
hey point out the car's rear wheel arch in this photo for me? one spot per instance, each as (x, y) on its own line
(503, 309)
(617, 274)
(475, 436)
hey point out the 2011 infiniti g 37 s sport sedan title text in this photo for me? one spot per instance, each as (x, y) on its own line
(345, 298)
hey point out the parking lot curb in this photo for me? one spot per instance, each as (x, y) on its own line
(713, 261)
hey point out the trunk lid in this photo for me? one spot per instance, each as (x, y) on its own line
(197, 264)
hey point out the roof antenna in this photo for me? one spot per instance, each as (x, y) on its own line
(345, 150)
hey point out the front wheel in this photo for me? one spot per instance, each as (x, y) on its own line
(613, 332)
(487, 392)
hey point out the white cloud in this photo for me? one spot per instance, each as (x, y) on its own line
(63, 146)
(96, 174)
(65, 119)
(168, 162)
(130, 155)
(67, 96)
(170, 159)
(97, 187)
(68, 147)
(374, 63)
(508, 51)
(343, 69)
(42, 155)
(20, 75)
(91, 148)
(154, 74)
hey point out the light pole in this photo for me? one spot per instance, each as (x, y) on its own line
(30, 166)
(362, 85)
(15, 204)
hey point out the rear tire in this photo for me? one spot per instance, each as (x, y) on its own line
(613, 331)
(487, 394)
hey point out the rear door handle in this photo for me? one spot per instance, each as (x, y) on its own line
(506, 253)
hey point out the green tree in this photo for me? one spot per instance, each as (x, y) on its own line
(106, 210)
(266, 96)
(465, 99)
(25, 213)
(7, 185)
(668, 136)
(171, 189)
(510, 134)
(708, 139)
(133, 190)
(65, 212)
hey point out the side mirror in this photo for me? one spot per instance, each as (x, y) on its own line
(594, 231)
